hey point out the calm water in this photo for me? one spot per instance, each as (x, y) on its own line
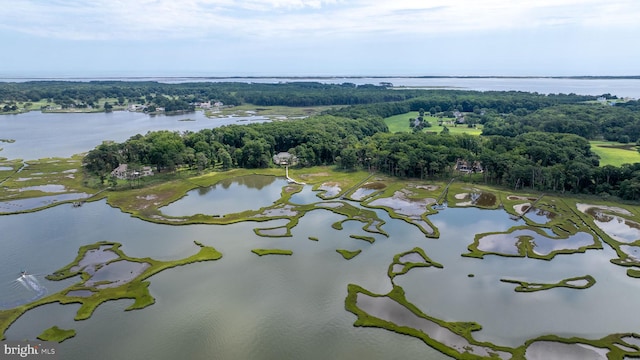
(39, 135)
(228, 196)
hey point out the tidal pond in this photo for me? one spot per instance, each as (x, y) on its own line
(528, 242)
(403, 205)
(328, 190)
(116, 273)
(238, 194)
(539, 216)
(619, 228)
(305, 196)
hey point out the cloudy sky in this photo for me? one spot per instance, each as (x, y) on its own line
(318, 37)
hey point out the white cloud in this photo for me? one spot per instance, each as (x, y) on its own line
(280, 19)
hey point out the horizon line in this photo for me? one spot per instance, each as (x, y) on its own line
(217, 77)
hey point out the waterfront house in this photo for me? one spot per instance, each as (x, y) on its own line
(123, 172)
(466, 167)
(285, 158)
(120, 172)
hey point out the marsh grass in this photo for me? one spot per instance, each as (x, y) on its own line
(56, 334)
(369, 239)
(263, 252)
(348, 254)
(524, 286)
(66, 172)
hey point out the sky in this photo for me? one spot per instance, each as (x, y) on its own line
(102, 38)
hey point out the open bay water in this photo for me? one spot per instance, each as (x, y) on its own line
(39, 135)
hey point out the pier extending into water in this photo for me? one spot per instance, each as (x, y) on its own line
(290, 179)
(445, 191)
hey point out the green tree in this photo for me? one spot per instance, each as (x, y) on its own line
(225, 158)
(348, 158)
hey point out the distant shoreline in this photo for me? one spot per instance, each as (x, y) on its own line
(152, 78)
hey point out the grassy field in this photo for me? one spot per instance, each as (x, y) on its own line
(400, 123)
(272, 112)
(616, 154)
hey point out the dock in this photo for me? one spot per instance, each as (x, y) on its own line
(443, 194)
(289, 179)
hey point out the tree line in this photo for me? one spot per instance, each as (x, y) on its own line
(372, 99)
(448, 101)
(529, 140)
(535, 160)
(591, 121)
(82, 94)
(316, 141)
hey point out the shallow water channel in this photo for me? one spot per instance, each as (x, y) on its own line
(274, 307)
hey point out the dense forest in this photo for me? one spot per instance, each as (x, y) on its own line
(528, 141)
(535, 160)
(81, 94)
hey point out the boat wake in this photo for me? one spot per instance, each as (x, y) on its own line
(29, 282)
